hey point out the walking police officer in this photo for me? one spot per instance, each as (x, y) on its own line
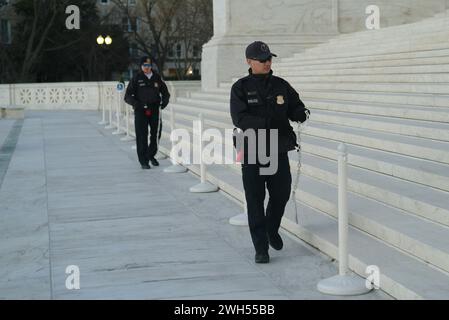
(264, 101)
(147, 94)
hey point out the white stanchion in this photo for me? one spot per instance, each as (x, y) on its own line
(118, 113)
(159, 155)
(103, 107)
(241, 219)
(343, 284)
(175, 168)
(127, 120)
(204, 186)
(110, 125)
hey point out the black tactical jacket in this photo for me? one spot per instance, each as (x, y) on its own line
(142, 91)
(267, 102)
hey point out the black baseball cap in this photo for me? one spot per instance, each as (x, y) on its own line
(145, 59)
(259, 50)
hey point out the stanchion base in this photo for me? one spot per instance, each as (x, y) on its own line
(102, 123)
(239, 220)
(347, 285)
(175, 169)
(118, 132)
(109, 127)
(127, 138)
(204, 187)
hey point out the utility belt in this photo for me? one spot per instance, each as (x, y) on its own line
(150, 109)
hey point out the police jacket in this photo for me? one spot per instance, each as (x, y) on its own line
(142, 92)
(267, 102)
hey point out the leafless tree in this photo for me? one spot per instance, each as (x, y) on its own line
(164, 23)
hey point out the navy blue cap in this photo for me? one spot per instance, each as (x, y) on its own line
(145, 59)
(259, 50)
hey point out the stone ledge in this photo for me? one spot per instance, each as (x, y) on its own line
(12, 113)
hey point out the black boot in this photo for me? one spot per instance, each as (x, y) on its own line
(154, 162)
(275, 241)
(262, 258)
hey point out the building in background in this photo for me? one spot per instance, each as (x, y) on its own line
(171, 31)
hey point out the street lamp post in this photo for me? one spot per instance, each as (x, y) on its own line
(106, 41)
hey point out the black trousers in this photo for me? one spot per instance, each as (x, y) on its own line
(141, 123)
(279, 188)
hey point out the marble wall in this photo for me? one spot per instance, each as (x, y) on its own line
(351, 13)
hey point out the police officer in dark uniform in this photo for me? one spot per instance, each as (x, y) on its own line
(147, 93)
(264, 101)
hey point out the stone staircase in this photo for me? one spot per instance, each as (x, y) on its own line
(384, 93)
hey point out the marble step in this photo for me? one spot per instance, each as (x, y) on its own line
(366, 86)
(406, 31)
(423, 26)
(436, 114)
(375, 181)
(329, 55)
(398, 270)
(391, 45)
(381, 59)
(368, 65)
(411, 79)
(385, 38)
(426, 100)
(422, 129)
(424, 70)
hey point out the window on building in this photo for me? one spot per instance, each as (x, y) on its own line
(128, 24)
(104, 1)
(178, 50)
(5, 31)
(133, 51)
(171, 52)
(196, 51)
(131, 2)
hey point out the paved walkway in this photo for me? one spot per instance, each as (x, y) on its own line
(73, 194)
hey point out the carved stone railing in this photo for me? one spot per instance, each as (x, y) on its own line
(72, 95)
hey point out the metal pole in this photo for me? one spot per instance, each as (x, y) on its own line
(343, 220)
(128, 136)
(204, 186)
(159, 155)
(110, 126)
(175, 168)
(103, 108)
(343, 284)
(117, 114)
(201, 146)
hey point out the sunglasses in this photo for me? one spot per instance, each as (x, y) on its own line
(147, 65)
(265, 60)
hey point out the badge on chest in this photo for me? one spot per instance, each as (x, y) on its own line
(280, 100)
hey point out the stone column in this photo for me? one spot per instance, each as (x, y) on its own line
(287, 26)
